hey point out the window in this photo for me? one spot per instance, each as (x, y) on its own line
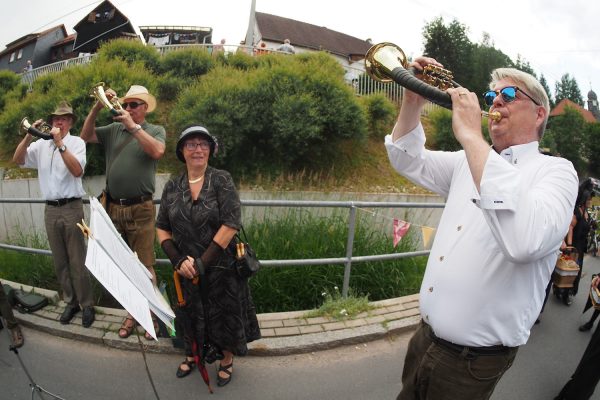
(20, 54)
(12, 57)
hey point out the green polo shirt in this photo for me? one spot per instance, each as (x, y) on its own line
(132, 173)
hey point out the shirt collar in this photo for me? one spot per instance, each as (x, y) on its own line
(515, 154)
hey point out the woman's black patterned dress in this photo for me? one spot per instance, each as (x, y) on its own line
(231, 313)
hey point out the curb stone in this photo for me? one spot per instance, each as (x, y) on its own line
(283, 333)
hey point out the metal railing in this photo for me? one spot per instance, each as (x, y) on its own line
(347, 260)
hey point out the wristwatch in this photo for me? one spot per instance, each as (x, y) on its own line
(136, 128)
(62, 148)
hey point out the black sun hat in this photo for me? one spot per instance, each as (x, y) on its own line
(196, 130)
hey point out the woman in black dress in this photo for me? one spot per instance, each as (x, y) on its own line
(578, 237)
(199, 215)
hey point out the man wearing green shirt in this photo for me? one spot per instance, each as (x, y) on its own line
(132, 149)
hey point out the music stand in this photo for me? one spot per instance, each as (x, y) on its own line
(35, 388)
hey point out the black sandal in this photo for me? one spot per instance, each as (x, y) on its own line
(181, 373)
(224, 368)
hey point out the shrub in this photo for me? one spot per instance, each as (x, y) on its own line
(187, 63)
(381, 114)
(131, 52)
(288, 113)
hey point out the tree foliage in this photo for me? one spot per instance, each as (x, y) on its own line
(450, 45)
(568, 133)
(567, 88)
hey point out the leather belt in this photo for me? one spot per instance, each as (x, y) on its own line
(470, 350)
(61, 202)
(131, 201)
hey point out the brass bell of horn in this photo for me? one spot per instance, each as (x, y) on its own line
(111, 105)
(386, 62)
(42, 131)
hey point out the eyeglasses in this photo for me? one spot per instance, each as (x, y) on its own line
(132, 104)
(193, 145)
(509, 94)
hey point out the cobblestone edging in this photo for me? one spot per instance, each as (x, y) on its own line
(283, 333)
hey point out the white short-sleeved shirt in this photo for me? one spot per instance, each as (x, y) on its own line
(495, 249)
(56, 182)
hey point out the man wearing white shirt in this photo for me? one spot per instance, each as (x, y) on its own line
(507, 211)
(60, 163)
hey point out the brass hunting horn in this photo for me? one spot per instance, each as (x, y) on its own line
(42, 131)
(111, 105)
(386, 62)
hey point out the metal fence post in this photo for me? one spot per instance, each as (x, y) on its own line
(349, 246)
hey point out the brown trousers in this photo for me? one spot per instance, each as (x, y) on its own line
(68, 252)
(433, 372)
(136, 224)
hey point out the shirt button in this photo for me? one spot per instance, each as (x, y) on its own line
(458, 228)
(441, 258)
(431, 289)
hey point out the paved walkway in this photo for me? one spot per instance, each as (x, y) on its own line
(283, 333)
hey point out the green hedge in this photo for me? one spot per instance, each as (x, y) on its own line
(272, 114)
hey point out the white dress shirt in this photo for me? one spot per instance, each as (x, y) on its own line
(495, 250)
(56, 182)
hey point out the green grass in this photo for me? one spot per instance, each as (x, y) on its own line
(279, 234)
(340, 308)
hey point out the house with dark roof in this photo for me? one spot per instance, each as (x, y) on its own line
(36, 47)
(63, 49)
(273, 30)
(564, 103)
(103, 23)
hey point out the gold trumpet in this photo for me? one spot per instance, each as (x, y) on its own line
(386, 62)
(111, 105)
(42, 131)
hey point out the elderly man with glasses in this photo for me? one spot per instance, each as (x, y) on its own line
(507, 211)
(132, 147)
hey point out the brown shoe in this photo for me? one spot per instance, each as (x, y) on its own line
(17, 336)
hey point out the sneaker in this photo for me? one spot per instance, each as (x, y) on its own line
(69, 313)
(586, 327)
(88, 316)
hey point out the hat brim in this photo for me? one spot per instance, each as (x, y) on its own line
(73, 116)
(179, 146)
(145, 97)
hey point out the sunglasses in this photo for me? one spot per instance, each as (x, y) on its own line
(509, 94)
(193, 145)
(132, 104)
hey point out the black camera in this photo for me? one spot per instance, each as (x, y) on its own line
(211, 353)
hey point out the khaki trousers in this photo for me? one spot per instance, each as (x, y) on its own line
(68, 252)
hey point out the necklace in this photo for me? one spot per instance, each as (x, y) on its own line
(196, 180)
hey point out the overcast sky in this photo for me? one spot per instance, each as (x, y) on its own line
(556, 37)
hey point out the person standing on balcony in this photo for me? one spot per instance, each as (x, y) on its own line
(286, 47)
(60, 163)
(507, 211)
(132, 149)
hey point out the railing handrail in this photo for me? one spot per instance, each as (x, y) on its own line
(347, 260)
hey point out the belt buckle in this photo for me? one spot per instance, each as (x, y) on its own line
(54, 203)
(123, 202)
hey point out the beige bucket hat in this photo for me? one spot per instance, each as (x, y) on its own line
(140, 92)
(64, 108)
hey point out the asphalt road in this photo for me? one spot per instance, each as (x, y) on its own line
(76, 370)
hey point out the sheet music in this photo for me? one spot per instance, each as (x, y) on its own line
(119, 270)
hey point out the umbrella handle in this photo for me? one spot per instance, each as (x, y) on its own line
(180, 300)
